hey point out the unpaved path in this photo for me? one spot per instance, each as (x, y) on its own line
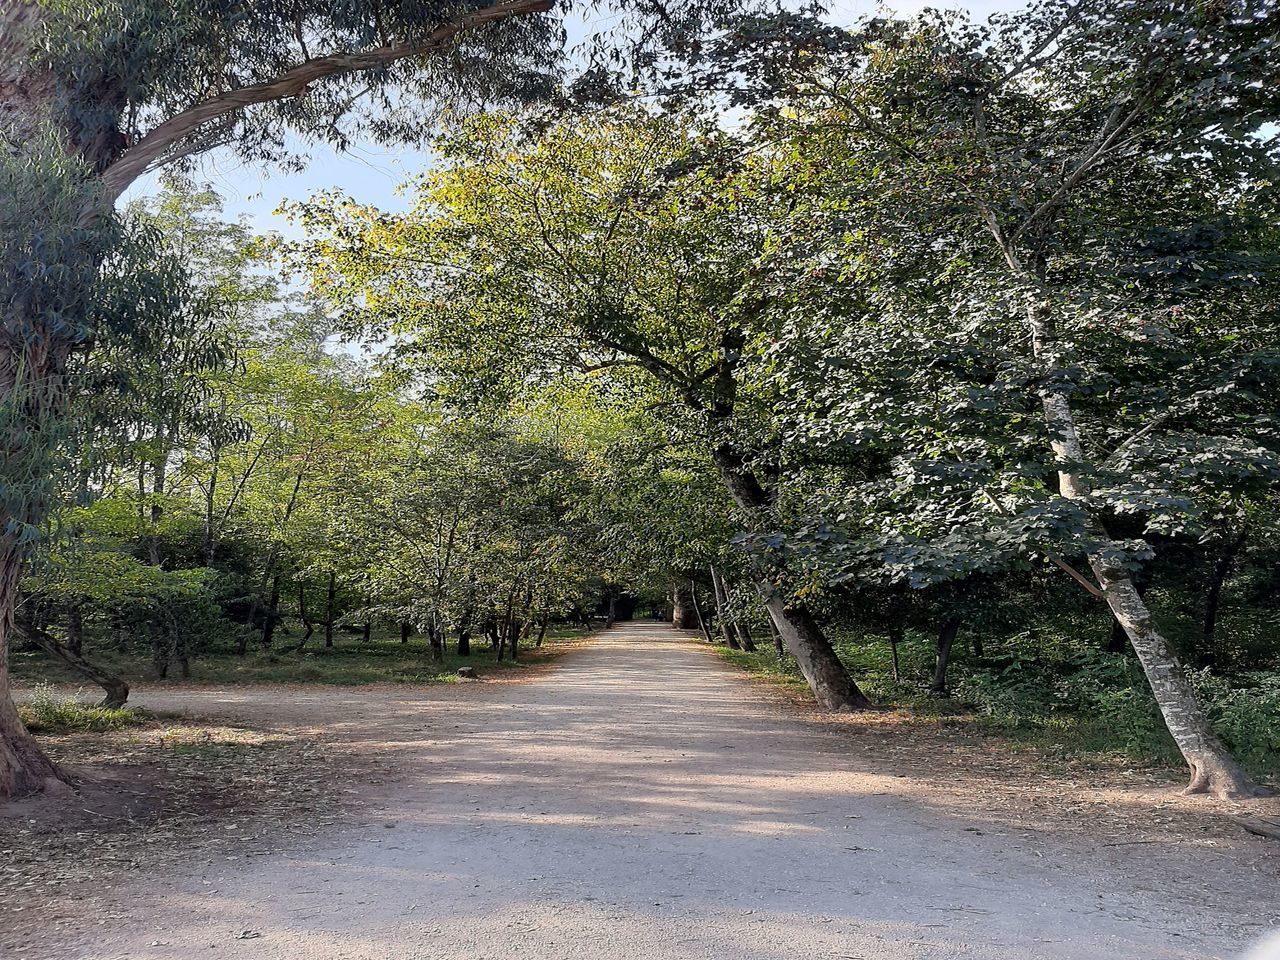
(639, 801)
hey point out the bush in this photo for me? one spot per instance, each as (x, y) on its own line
(1103, 703)
(1246, 715)
(50, 712)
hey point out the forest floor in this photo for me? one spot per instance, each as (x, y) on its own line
(639, 798)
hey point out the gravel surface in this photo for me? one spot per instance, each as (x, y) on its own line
(639, 800)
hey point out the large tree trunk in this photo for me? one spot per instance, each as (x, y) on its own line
(23, 767)
(1213, 769)
(44, 305)
(831, 684)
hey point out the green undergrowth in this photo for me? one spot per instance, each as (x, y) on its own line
(49, 712)
(1081, 706)
(351, 661)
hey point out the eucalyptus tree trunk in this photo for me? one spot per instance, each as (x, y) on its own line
(36, 342)
(1213, 769)
(33, 362)
(23, 767)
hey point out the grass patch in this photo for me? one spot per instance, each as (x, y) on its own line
(349, 662)
(49, 712)
(1093, 709)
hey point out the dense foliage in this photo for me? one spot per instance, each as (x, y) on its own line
(944, 354)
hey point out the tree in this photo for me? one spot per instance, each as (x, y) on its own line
(1083, 177)
(627, 247)
(93, 95)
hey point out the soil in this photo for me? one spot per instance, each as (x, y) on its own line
(642, 799)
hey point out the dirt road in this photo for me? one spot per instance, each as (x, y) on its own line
(640, 801)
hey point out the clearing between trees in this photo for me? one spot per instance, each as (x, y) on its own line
(640, 798)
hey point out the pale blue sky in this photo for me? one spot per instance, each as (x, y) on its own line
(371, 174)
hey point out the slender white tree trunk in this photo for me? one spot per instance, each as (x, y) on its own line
(1213, 769)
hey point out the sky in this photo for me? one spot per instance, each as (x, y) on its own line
(371, 173)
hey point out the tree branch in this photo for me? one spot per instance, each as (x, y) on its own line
(293, 83)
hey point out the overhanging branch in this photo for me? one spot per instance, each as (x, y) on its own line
(294, 82)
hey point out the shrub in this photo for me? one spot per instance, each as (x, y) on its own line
(50, 712)
(1246, 715)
